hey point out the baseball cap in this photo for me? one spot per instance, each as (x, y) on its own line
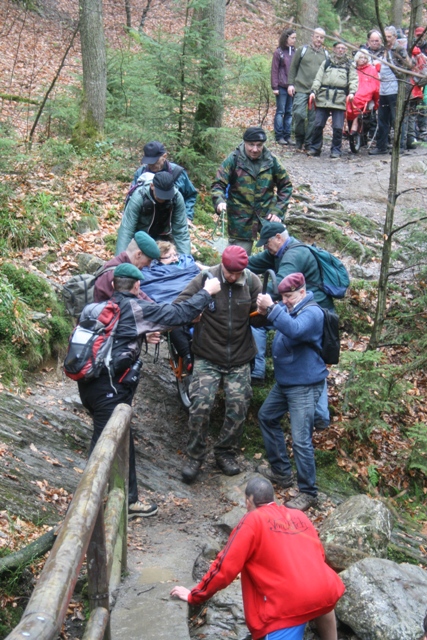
(163, 185)
(152, 152)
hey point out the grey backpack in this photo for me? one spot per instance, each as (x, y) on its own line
(78, 291)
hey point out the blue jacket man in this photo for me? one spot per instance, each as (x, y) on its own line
(300, 374)
(154, 160)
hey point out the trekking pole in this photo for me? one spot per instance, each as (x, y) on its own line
(267, 275)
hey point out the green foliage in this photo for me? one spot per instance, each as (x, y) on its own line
(373, 388)
(33, 290)
(110, 242)
(373, 475)
(254, 87)
(38, 218)
(25, 341)
(327, 16)
(418, 456)
(58, 154)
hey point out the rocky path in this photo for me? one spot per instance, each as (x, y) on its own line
(47, 437)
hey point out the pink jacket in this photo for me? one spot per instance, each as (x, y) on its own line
(367, 90)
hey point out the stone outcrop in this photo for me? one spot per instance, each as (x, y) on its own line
(384, 600)
(358, 528)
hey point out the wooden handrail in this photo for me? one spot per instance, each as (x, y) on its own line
(83, 531)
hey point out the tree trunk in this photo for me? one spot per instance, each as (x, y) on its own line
(94, 62)
(128, 14)
(380, 312)
(417, 8)
(307, 16)
(144, 15)
(396, 13)
(209, 22)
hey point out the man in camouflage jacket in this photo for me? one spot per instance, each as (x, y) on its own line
(253, 186)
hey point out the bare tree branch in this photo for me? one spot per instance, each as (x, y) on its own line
(52, 84)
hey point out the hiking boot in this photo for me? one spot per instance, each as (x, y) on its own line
(313, 152)
(187, 364)
(190, 470)
(335, 154)
(281, 141)
(320, 425)
(228, 465)
(303, 501)
(276, 478)
(142, 509)
(298, 145)
(377, 152)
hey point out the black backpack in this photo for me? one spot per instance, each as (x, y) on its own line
(330, 351)
(176, 172)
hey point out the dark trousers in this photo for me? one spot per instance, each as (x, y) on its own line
(386, 118)
(100, 398)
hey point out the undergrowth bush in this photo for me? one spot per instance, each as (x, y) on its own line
(25, 339)
(374, 388)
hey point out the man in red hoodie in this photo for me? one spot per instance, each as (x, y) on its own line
(285, 579)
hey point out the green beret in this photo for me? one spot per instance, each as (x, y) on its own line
(127, 270)
(147, 245)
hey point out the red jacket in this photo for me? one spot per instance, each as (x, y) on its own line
(367, 90)
(285, 579)
(420, 65)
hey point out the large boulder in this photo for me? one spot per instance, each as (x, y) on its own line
(358, 528)
(384, 600)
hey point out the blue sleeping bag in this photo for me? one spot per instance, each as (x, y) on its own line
(164, 282)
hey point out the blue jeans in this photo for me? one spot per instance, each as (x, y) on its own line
(259, 335)
(283, 117)
(321, 414)
(300, 401)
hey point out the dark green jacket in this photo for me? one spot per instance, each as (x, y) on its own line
(251, 195)
(287, 261)
(303, 69)
(224, 334)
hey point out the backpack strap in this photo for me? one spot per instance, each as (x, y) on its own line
(102, 270)
(312, 303)
(313, 253)
(233, 175)
(176, 172)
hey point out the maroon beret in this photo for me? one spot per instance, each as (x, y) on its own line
(293, 282)
(235, 258)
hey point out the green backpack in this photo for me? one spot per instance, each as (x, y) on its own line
(78, 291)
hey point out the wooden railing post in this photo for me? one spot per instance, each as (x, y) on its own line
(96, 560)
(83, 531)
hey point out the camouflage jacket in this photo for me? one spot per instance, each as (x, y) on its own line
(251, 196)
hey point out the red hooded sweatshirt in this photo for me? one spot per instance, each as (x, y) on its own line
(285, 579)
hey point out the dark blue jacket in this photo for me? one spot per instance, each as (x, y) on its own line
(295, 360)
(164, 282)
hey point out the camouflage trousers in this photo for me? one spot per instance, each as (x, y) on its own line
(203, 388)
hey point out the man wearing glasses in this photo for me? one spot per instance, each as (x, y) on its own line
(252, 186)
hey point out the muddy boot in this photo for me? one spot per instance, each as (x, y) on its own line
(228, 465)
(191, 470)
(336, 143)
(316, 142)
